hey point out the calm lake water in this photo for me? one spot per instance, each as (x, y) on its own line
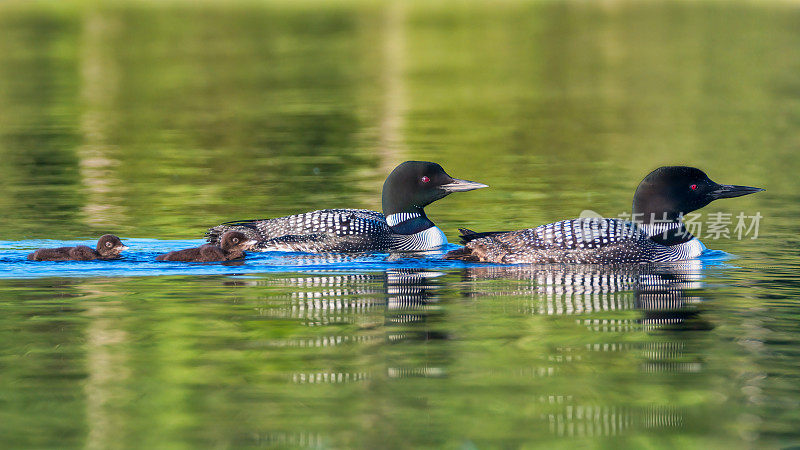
(155, 121)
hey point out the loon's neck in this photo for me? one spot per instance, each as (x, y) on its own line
(655, 214)
(667, 232)
(408, 222)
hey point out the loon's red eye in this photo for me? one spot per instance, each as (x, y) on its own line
(693, 187)
(425, 179)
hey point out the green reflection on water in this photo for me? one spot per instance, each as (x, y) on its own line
(160, 120)
(475, 357)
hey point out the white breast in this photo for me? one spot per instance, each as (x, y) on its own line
(433, 237)
(690, 249)
(427, 239)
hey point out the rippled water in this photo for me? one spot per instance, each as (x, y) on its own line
(154, 121)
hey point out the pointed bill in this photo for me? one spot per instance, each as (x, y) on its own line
(731, 191)
(462, 185)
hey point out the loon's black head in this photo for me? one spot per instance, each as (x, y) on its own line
(669, 192)
(108, 244)
(414, 184)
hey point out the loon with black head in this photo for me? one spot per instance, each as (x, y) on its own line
(656, 234)
(403, 226)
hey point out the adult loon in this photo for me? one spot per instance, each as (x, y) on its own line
(657, 233)
(408, 189)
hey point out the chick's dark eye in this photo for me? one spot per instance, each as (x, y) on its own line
(108, 244)
(693, 187)
(425, 179)
(235, 240)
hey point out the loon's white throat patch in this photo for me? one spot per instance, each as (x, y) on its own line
(396, 218)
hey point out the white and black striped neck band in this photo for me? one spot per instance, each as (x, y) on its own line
(397, 218)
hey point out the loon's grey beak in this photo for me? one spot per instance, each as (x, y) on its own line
(730, 191)
(461, 185)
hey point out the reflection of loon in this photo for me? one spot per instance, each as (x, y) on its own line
(659, 293)
(591, 420)
(657, 290)
(398, 296)
(398, 303)
(289, 439)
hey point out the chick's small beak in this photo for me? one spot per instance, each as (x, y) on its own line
(731, 191)
(249, 244)
(123, 247)
(457, 185)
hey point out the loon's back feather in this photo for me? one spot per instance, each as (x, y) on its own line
(597, 241)
(468, 235)
(335, 230)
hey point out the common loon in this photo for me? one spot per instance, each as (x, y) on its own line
(408, 189)
(232, 247)
(657, 233)
(108, 247)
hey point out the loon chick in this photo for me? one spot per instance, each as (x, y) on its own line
(656, 235)
(233, 246)
(403, 226)
(108, 247)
